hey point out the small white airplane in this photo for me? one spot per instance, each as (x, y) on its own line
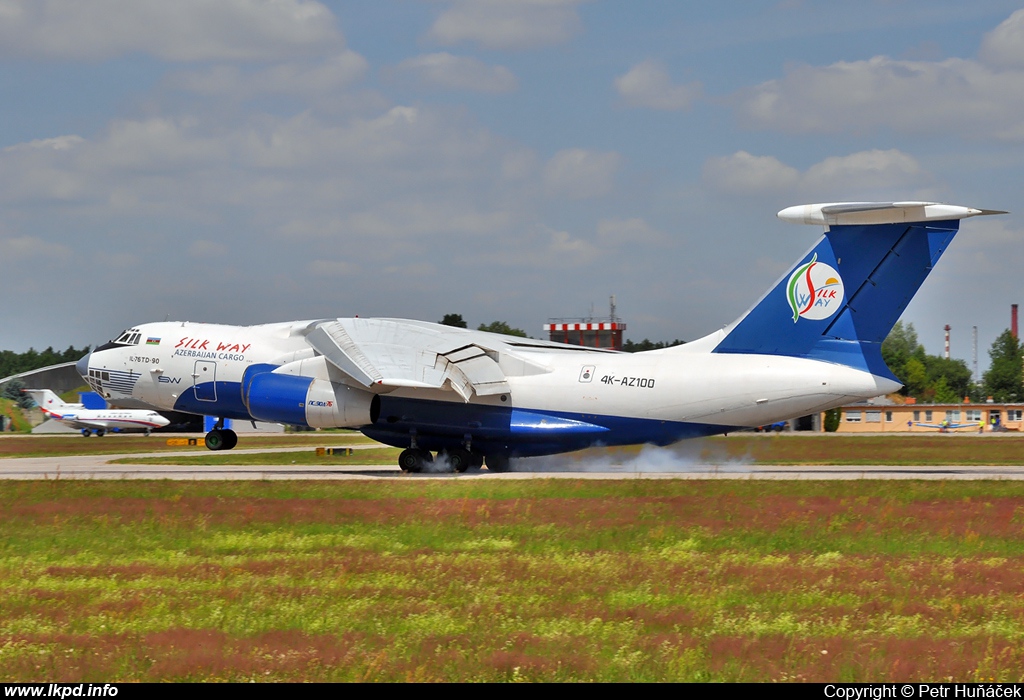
(97, 421)
(811, 343)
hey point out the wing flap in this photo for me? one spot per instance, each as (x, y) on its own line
(484, 375)
(333, 342)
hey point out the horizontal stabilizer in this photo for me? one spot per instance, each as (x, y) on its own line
(849, 213)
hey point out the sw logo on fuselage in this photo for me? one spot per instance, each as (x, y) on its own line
(814, 291)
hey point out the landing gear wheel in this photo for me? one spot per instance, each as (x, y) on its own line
(214, 440)
(86, 433)
(459, 459)
(477, 460)
(220, 439)
(497, 463)
(101, 432)
(414, 460)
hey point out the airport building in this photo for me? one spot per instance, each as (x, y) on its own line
(930, 418)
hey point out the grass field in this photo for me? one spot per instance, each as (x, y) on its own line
(512, 580)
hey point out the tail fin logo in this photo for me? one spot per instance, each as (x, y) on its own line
(814, 291)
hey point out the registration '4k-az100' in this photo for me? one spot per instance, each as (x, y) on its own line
(641, 382)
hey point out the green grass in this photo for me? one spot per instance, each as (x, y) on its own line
(74, 395)
(540, 580)
(10, 409)
(764, 450)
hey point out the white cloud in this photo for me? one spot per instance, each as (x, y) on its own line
(20, 248)
(507, 24)
(183, 30)
(403, 219)
(306, 79)
(542, 247)
(1003, 47)
(580, 174)
(745, 173)
(448, 72)
(960, 95)
(407, 171)
(307, 213)
(636, 231)
(875, 169)
(58, 143)
(648, 84)
(869, 174)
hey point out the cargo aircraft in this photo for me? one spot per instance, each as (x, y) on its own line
(98, 421)
(811, 343)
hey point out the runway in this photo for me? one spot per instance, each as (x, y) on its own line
(100, 467)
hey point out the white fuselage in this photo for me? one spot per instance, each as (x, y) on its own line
(686, 384)
(108, 419)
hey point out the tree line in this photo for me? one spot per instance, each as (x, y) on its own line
(935, 379)
(16, 363)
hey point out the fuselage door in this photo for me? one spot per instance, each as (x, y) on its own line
(204, 380)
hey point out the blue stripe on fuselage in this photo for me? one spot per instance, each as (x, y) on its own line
(228, 404)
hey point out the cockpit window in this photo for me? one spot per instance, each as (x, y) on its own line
(129, 337)
(132, 336)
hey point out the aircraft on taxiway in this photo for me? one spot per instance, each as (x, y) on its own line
(811, 343)
(99, 421)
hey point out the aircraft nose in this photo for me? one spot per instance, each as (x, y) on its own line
(82, 366)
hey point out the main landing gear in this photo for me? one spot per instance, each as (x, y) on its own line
(221, 438)
(416, 459)
(100, 432)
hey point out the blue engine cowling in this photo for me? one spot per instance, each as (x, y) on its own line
(298, 400)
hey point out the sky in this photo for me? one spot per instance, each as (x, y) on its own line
(252, 161)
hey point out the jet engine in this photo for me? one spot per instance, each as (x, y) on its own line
(298, 400)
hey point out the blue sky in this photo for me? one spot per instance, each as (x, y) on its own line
(247, 161)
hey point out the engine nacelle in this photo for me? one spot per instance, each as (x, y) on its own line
(296, 400)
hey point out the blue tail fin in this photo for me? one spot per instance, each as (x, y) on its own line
(839, 302)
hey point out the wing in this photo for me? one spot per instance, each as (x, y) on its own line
(72, 421)
(384, 354)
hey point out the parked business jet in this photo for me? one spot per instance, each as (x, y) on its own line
(812, 342)
(99, 421)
